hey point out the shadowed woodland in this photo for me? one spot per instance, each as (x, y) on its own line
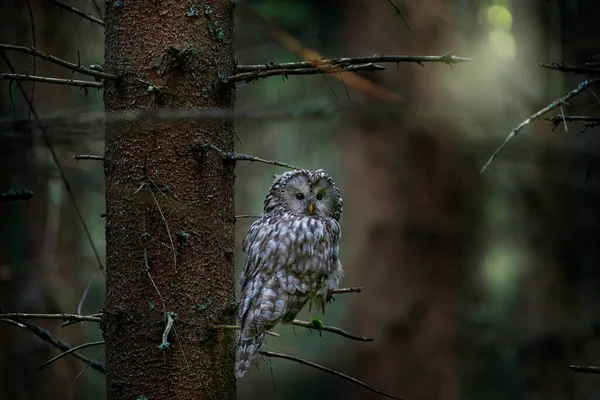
(475, 285)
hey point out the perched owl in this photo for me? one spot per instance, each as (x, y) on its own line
(292, 256)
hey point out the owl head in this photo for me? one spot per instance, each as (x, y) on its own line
(305, 193)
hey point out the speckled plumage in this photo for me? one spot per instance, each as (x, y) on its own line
(292, 256)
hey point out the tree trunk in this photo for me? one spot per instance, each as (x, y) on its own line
(169, 216)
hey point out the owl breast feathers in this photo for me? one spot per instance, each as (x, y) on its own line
(292, 256)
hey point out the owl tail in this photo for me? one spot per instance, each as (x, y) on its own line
(246, 351)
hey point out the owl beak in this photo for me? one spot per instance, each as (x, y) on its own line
(311, 207)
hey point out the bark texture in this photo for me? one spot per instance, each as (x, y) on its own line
(170, 215)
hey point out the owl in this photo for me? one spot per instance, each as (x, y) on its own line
(292, 257)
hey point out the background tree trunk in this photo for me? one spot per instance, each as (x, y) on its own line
(169, 216)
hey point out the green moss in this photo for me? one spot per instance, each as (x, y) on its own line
(316, 323)
(193, 11)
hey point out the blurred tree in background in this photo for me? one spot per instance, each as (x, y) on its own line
(476, 285)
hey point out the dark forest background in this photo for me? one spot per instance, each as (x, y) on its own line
(477, 286)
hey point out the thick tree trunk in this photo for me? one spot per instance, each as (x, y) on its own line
(170, 218)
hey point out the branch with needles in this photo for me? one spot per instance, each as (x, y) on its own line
(16, 195)
(335, 65)
(54, 81)
(272, 354)
(44, 335)
(241, 157)
(78, 12)
(555, 104)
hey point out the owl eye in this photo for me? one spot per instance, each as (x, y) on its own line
(300, 196)
(319, 196)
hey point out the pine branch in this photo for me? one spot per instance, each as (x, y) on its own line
(45, 336)
(572, 68)
(54, 155)
(15, 195)
(556, 103)
(71, 350)
(77, 11)
(272, 354)
(242, 157)
(56, 81)
(447, 58)
(59, 61)
(330, 69)
(356, 289)
(88, 157)
(590, 122)
(332, 329)
(585, 369)
(64, 317)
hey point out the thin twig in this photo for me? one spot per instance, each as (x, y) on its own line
(59, 167)
(356, 289)
(245, 157)
(326, 370)
(93, 360)
(328, 69)
(572, 68)
(585, 369)
(77, 11)
(88, 157)
(45, 336)
(64, 317)
(71, 350)
(97, 8)
(247, 216)
(59, 61)
(55, 81)
(399, 13)
(166, 227)
(556, 103)
(448, 58)
(332, 329)
(591, 122)
(15, 195)
(235, 327)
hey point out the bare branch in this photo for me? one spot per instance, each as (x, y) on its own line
(56, 81)
(236, 327)
(585, 369)
(332, 329)
(77, 11)
(272, 354)
(88, 157)
(64, 317)
(45, 336)
(447, 58)
(244, 157)
(572, 68)
(71, 350)
(247, 216)
(590, 122)
(59, 167)
(59, 61)
(556, 103)
(357, 289)
(329, 69)
(15, 195)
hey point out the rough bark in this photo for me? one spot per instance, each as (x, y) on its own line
(160, 197)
